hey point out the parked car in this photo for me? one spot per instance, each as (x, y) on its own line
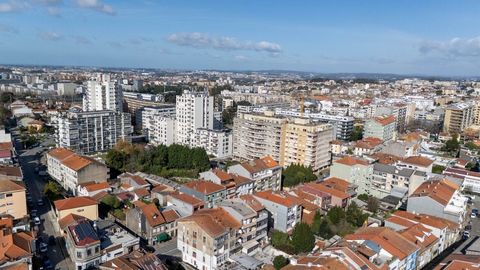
(47, 264)
(466, 234)
(475, 210)
(40, 202)
(473, 215)
(37, 221)
(43, 247)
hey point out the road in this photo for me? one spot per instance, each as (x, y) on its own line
(168, 249)
(29, 159)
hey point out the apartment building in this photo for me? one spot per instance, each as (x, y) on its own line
(382, 127)
(207, 238)
(286, 140)
(417, 163)
(193, 110)
(102, 94)
(254, 228)
(458, 117)
(71, 170)
(354, 170)
(81, 206)
(264, 172)
(93, 131)
(387, 179)
(13, 200)
(210, 193)
(147, 120)
(218, 143)
(235, 185)
(284, 210)
(446, 231)
(153, 225)
(17, 247)
(440, 198)
(399, 111)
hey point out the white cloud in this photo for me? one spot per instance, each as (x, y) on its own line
(50, 36)
(202, 40)
(13, 6)
(456, 47)
(97, 5)
(53, 11)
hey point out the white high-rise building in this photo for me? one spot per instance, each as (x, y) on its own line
(103, 94)
(161, 130)
(91, 132)
(194, 110)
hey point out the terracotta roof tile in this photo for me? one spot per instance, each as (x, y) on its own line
(10, 186)
(11, 171)
(142, 192)
(74, 202)
(325, 189)
(187, 198)
(69, 220)
(277, 197)
(259, 164)
(252, 202)
(96, 186)
(205, 187)
(351, 161)
(418, 160)
(385, 120)
(61, 153)
(214, 221)
(440, 191)
(77, 162)
(337, 183)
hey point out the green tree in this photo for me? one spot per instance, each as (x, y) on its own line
(52, 191)
(296, 174)
(452, 145)
(303, 239)
(325, 231)
(363, 197)
(279, 262)
(438, 169)
(354, 215)
(373, 204)
(111, 201)
(336, 215)
(357, 133)
(279, 238)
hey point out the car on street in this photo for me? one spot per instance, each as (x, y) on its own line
(473, 215)
(37, 221)
(43, 247)
(40, 202)
(475, 210)
(468, 227)
(149, 249)
(466, 234)
(47, 264)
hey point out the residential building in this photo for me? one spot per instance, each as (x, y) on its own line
(254, 228)
(283, 208)
(11, 172)
(83, 245)
(153, 225)
(210, 193)
(17, 248)
(71, 170)
(218, 143)
(366, 146)
(286, 140)
(399, 111)
(471, 180)
(193, 110)
(92, 188)
(13, 200)
(161, 130)
(382, 127)
(235, 185)
(446, 231)
(264, 172)
(387, 179)
(393, 249)
(417, 163)
(102, 94)
(131, 182)
(184, 204)
(208, 238)
(147, 120)
(426, 240)
(354, 170)
(81, 206)
(336, 197)
(136, 260)
(440, 198)
(93, 131)
(458, 117)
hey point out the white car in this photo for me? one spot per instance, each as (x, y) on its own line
(473, 215)
(37, 221)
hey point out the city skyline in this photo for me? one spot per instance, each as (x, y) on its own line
(428, 38)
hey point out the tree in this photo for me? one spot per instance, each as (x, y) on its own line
(296, 174)
(279, 262)
(52, 191)
(321, 227)
(303, 239)
(354, 215)
(111, 201)
(279, 238)
(336, 215)
(357, 133)
(156, 202)
(438, 169)
(452, 145)
(472, 166)
(363, 197)
(373, 204)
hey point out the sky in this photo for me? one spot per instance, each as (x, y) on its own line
(405, 37)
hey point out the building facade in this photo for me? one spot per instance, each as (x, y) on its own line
(102, 94)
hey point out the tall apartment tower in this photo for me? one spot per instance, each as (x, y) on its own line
(458, 117)
(287, 140)
(103, 94)
(194, 110)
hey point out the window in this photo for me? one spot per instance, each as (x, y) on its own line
(9, 195)
(194, 254)
(89, 252)
(79, 254)
(97, 249)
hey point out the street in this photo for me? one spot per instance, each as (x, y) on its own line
(29, 159)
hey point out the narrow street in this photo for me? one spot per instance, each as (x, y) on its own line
(29, 159)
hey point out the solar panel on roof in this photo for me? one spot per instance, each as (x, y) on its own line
(85, 230)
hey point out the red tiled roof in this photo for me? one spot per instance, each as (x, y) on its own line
(259, 164)
(214, 221)
(74, 202)
(205, 187)
(252, 202)
(418, 160)
(61, 153)
(97, 186)
(385, 120)
(10, 186)
(281, 198)
(351, 161)
(187, 198)
(440, 191)
(325, 189)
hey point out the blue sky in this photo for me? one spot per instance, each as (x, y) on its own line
(408, 37)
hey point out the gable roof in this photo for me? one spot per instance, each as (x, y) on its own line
(11, 171)
(214, 222)
(74, 202)
(10, 186)
(432, 221)
(418, 160)
(77, 162)
(386, 120)
(441, 191)
(61, 153)
(259, 164)
(351, 161)
(277, 197)
(69, 220)
(205, 187)
(325, 189)
(187, 198)
(96, 186)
